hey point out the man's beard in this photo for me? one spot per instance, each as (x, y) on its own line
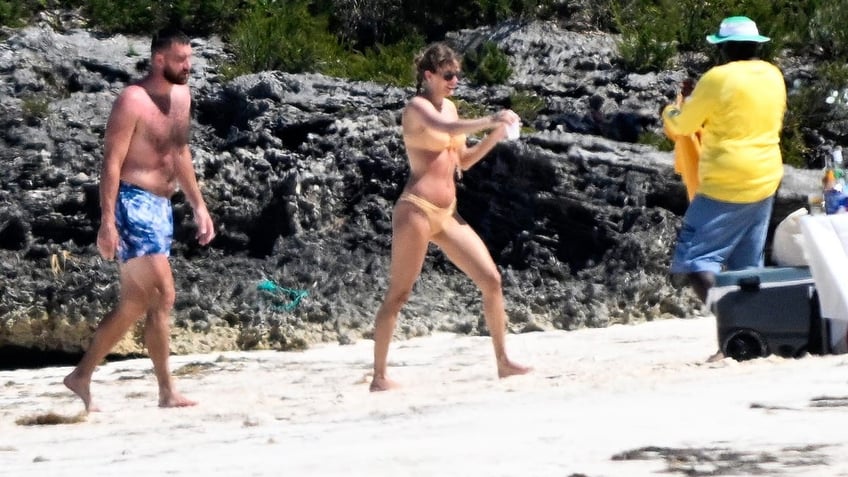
(174, 77)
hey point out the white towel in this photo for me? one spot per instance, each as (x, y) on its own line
(826, 246)
(787, 247)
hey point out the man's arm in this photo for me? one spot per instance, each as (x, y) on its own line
(187, 180)
(119, 132)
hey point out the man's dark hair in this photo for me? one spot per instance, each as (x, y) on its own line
(163, 39)
(739, 50)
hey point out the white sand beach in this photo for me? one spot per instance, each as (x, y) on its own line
(635, 400)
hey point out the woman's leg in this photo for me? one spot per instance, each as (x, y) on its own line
(468, 252)
(410, 232)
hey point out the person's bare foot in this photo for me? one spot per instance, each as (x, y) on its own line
(718, 356)
(175, 399)
(82, 388)
(507, 368)
(382, 384)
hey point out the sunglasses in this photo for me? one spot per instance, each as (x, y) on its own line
(449, 75)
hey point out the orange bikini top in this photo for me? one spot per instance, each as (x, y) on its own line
(432, 140)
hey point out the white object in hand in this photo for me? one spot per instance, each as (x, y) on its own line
(513, 130)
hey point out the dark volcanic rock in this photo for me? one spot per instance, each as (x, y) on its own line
(300, 173)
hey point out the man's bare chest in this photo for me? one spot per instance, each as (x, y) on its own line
(165, 130)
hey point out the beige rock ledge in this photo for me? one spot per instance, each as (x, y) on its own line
(41, 332)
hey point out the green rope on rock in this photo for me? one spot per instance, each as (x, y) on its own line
(293, 296)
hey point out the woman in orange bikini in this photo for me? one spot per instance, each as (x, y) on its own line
(434, 137)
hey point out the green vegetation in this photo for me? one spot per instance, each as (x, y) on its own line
(11, 13)
(659, 141)
(792, 144)
(646, 49)
(309, 46)
(487, 64)
(282, 36)
(827, 29)
(471, 110)
(811, 106)
(653, 32)
(35, 108)
(390, 64)
(526, 105)
(143, 16)
(357, 39)
(318, 35)
(327, 31)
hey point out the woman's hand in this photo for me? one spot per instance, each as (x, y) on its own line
(504, 116)
(503, 119)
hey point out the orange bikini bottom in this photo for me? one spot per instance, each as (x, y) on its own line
(435, 215)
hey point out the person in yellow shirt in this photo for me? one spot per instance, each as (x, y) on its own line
(738, 107)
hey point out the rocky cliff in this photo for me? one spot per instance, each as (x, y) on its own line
(300, 173)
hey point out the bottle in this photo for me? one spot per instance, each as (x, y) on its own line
(835, 201)
(832, 196)
(815, 203)
(838, 171)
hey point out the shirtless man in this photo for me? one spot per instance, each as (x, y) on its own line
(146, 155)
(434, 137)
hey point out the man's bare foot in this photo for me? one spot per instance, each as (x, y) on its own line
(175, 399)
(718, 356)
(507, 368)
(82, 388)
(382, 384)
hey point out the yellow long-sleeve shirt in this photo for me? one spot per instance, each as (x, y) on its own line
(739, 108)
(687, 150)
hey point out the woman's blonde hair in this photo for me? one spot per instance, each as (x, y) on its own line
(431, 59)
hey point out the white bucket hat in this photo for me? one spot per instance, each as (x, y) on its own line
(737, 29)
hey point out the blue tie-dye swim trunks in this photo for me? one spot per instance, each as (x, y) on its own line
(145, 223)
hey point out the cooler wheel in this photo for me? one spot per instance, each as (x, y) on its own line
(744, 344)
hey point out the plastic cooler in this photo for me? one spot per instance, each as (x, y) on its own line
(767, 311)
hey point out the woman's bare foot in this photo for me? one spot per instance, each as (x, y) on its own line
(382, 384)
(81, 386)
(507, 368)
(175, 399)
